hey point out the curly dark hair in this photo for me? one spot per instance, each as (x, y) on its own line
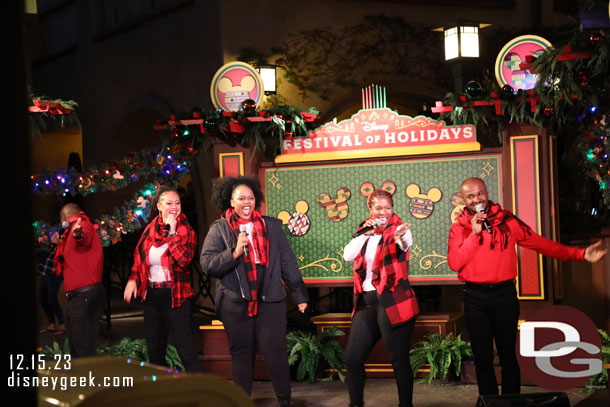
(222, 191)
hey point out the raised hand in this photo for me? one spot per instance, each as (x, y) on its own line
(242, 241)
(477, 222)
(594, 252)
(401, 230)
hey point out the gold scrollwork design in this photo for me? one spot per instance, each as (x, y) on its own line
(335, 266)
(426, 263)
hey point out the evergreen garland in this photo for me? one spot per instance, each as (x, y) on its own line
(168, 164)
(571, 97)
(61, 117)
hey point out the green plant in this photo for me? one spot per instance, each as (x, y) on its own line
(308, 349)
(600, 380)
(128, 348)
(55, 349)
(440, 352)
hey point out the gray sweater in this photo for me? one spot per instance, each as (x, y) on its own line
(217, 261)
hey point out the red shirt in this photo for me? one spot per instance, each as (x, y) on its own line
(83, 263)
(477, 260)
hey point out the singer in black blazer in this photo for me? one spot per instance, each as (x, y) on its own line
(222, 257)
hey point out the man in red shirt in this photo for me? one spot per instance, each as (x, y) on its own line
(80, 259)
(482, 251)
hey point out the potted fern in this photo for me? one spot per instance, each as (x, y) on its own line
(128, 348)
(308, 350)
(441, 352)
(600, 380)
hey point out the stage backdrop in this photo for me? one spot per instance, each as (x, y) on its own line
(321, 206)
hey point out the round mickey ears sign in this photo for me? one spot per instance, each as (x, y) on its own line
(515, 53)
(233, 83)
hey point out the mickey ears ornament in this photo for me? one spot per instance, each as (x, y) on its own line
(235, 83)
(508, 62)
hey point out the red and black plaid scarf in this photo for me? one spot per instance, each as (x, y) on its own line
(498, 219)
(59, 252)
(153, 236)
(389, 260)
(261, 245)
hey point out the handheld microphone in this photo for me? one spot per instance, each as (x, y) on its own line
(244, 229)
(166, 230)
(65, 225)
(480, 209)
(366, 229)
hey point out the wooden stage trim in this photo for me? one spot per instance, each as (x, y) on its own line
(216, 357)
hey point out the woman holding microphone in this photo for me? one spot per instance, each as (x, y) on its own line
(252, 258)
(161, 277)
(384, 303)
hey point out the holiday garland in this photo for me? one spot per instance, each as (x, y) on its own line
(571, 96)
(165, 162)
(127, 218)
(56, 111)
(264, 130)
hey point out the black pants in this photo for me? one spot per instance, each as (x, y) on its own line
(493, 315)
(161, 320)
(83, 312)
(370, 323)
(47, 296)
(245, 334)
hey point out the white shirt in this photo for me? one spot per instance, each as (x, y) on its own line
(157, 274)
(353, 248)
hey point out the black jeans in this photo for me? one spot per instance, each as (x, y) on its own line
(161, 320)
(83, 312)
(493, 315)
(370, 323)
(245, 334)
(47, 296)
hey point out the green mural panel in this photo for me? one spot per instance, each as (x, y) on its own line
(322, 215)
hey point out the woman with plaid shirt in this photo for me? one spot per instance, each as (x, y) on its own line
(161, 277)
(384, 303)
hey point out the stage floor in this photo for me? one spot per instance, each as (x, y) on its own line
(382, 392)
(378, 392)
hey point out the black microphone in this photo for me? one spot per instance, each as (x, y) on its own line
(480, 209)
(166, 230)
(366, 229)
(243, 228)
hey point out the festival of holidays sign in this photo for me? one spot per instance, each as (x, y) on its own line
(379, 132)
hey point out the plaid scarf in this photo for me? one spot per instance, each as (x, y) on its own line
(388, 262)
(390, 270)
(59, 252)
(153, 236)
(498, 219)
(261, 245)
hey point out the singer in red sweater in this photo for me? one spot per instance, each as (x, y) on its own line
(482, 252)
(80, 260)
